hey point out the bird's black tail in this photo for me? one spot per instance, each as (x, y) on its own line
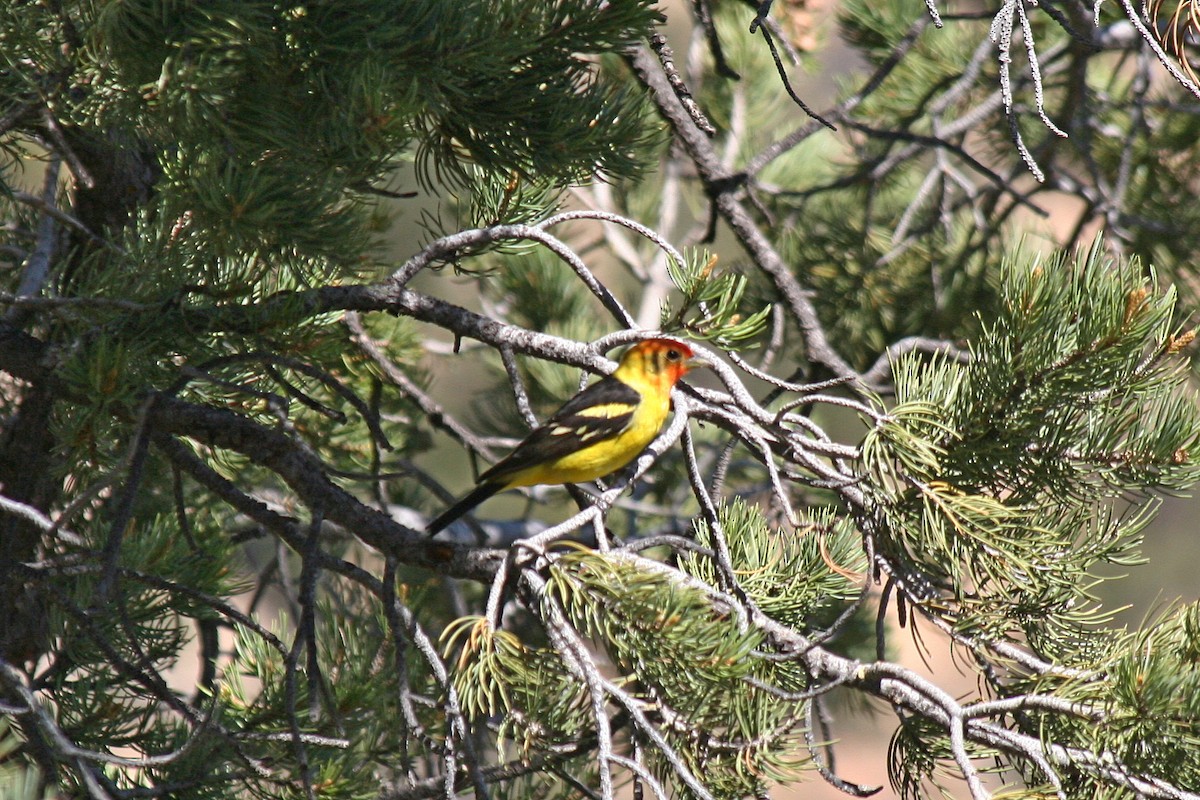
(476, 496)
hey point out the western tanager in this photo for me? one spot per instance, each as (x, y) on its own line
(597, 432)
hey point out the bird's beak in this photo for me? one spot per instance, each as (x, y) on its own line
(697, 362)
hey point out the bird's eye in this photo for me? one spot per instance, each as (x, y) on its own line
(674, 355)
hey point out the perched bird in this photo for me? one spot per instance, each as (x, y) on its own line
(597, 432)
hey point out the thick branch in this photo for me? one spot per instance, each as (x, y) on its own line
(723, 189)
(305, 475)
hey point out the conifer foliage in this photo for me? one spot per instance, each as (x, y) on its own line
(255, 254)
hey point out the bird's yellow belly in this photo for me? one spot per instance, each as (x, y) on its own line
(591, 463)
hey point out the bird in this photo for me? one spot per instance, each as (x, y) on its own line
(597, 432)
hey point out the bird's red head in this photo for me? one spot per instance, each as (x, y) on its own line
(658, 361)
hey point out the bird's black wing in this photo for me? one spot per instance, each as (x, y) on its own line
(601, 411)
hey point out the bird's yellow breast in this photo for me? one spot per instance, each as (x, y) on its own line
(606, 457)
